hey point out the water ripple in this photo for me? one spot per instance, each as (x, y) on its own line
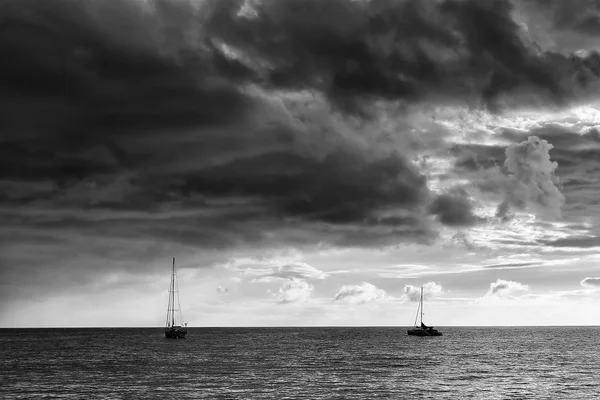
(300, 363)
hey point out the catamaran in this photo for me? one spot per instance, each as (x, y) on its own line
(174, 328)
(422, 330)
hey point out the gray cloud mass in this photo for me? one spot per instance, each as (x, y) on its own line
(231, 124)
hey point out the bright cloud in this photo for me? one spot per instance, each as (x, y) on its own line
(294, 291)
(503, 288)
(298, 270)
(359, 294)
(273, 270)
(430, 290)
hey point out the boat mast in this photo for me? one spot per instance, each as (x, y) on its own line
(170, 306)
(176, 288)
(173, 294)
(421, 305)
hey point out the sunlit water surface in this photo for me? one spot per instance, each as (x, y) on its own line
(301, 363)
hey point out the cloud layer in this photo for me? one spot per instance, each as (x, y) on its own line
(258, 112)
(220, 130)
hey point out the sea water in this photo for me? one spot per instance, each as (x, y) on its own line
(301, 363)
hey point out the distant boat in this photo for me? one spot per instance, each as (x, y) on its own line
(422, 330)
(174, 328)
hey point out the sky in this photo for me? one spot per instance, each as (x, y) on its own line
(307, 162)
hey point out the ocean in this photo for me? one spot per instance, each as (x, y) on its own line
(301, 363)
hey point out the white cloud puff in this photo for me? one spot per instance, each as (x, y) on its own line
(430, 290)
(503, 288)
(294, 291)
(359, 294)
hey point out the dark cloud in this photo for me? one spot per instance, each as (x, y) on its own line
(249, 123)
(578, 242)
(342, 187)
(153, 144)
(591, 282)
(581, 16)
(183, 66)
(104, 96)
(512, 265)
(454, 208)
(74, 54)
(474, 157)
(407, 50)
(152, 116)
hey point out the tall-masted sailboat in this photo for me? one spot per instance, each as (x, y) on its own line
(422, 330)
(174, 328)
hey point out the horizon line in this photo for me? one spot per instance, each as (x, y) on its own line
(300, 326)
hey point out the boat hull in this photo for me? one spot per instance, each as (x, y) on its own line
(424, 332)
(175, 333)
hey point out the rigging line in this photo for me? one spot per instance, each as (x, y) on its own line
(179, 303)
(169, 306)
(417, 316)
(421, 305)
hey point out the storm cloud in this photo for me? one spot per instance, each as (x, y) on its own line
(227, 124)
(220, 131)
(408, 50)
(454, 208)
(173, 104)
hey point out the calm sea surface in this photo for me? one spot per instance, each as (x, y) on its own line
(301, 363)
